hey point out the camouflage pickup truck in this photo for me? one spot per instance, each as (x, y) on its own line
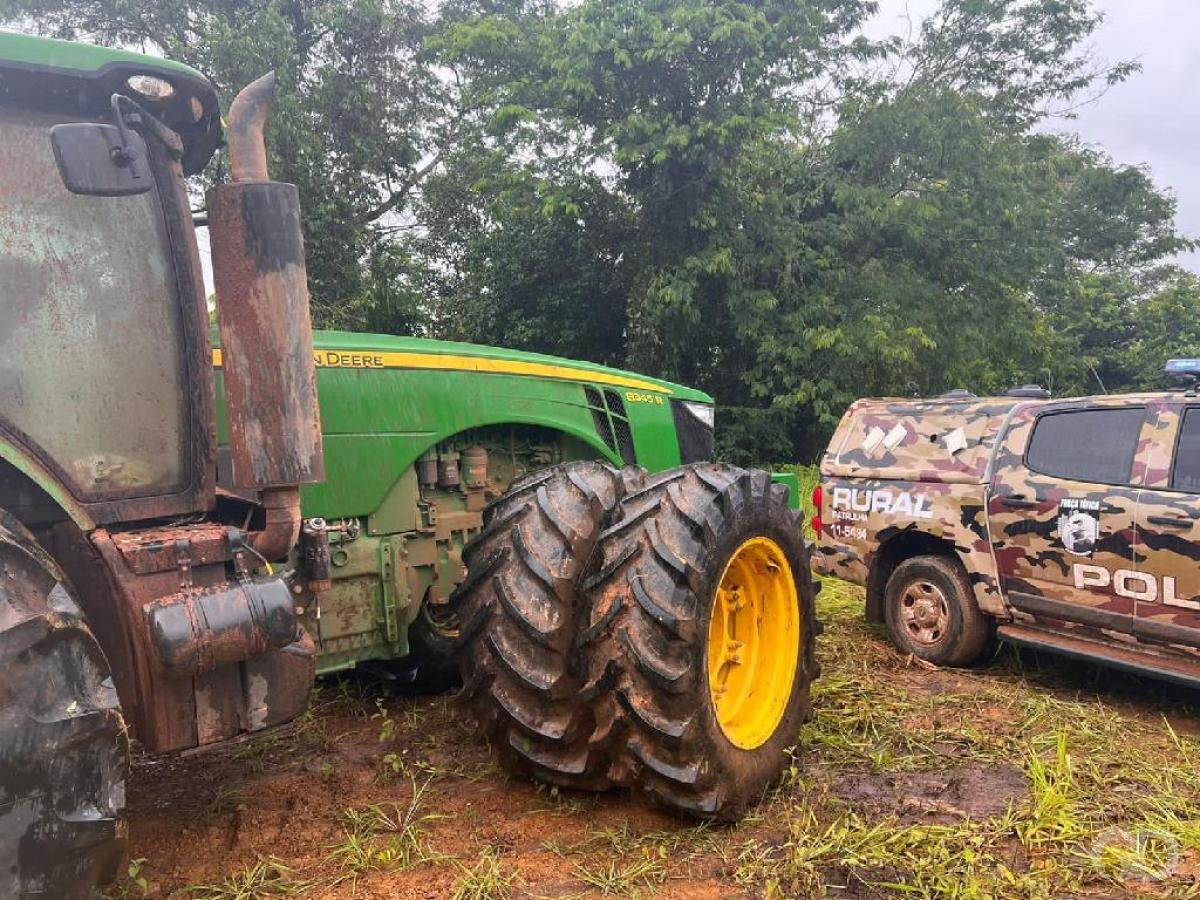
(1065, 525)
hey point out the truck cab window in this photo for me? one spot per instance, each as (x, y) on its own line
(1094, 445)
(1185, 476)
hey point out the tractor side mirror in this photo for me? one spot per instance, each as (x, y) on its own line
(101, 160)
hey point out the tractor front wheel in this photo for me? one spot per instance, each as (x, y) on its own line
(519, 610)
(702, 607)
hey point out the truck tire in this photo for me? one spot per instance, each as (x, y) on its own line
(701, 621)
(63, 744)
(931, 612)
(519, 606)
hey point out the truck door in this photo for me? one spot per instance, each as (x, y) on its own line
(1168, 524)
(1061, 510)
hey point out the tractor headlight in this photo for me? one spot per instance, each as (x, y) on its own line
(694, 424)
(705, 412)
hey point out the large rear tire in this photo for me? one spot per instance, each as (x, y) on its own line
(63, 744)
(702, 609)
(519, 607)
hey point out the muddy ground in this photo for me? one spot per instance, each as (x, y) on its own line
(1025, 777)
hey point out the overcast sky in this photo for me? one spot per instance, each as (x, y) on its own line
(1152, 119)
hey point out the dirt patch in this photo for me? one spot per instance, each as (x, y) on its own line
(944, 797)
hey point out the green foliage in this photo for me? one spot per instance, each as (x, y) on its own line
(267, 877)
(488, 879)
(132, 884)
(749, 197)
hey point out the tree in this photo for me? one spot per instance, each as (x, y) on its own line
(664, 95)
(524, 263)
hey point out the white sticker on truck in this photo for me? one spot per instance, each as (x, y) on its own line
(887, 502)
(893, 438)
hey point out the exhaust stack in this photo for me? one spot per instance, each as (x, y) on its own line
(265, 326)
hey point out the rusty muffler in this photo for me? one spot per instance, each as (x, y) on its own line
(200, 630)
(265, 325)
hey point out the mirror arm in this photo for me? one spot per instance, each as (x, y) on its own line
(139, 115)
(126, 154)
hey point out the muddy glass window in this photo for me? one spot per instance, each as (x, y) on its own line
(1094, 445)
(1185, 476)
(90, 356)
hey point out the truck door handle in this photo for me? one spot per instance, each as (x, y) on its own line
(1019, 501)
(1170, 521)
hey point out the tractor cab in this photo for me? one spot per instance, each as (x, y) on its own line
(124, 567)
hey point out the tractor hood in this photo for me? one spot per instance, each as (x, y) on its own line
(353, 350)
(81, 78)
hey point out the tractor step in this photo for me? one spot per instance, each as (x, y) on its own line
(1148, 663)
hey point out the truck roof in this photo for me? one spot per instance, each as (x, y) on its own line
(77, 74)
(947, 439)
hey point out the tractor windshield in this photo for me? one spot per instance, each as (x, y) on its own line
(91, 360)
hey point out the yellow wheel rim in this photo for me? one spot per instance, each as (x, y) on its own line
(753, 643)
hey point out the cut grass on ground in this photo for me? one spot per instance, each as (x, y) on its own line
(1109, 801)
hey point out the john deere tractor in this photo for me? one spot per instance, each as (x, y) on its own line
(461, 527)
(182, 553)
(420, 437)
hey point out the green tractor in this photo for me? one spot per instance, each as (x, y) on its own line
(420, 437)
(182, 554)
(134, 602)
(554, 531)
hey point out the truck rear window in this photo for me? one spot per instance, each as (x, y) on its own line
(1186, 475)
(1095, 445)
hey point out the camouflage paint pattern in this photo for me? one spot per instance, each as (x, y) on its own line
(952, 474)
(936, 453)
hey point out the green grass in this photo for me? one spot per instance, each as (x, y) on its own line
(487, 879)
(383, 837)
(1112, 801)
(612, 877)
(1103, 798)
(256, 748)
(268, 877)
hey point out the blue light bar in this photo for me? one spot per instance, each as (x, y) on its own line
(1183, 367)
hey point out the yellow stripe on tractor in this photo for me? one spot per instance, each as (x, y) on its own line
(382, 359)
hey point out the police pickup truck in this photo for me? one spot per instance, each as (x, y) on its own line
(1065, 525)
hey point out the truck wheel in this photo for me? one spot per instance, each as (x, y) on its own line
(702, 618)
(931, 612)
(63, 744)
(519, 607)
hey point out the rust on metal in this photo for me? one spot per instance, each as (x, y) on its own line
(247, 118)
(197, 631)
(262, 307)
(157, 549)
(281, 528)
(205, 659)
(314, 551)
